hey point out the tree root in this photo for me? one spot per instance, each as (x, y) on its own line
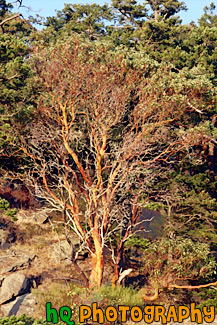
(151, 298)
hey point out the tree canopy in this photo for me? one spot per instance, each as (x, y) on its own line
(110, 109)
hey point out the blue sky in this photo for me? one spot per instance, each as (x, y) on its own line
(47, 8)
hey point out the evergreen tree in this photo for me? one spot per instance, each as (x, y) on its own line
(162, 10)
(209, 18)
(88, 19)
(4, 7)
(16, 96)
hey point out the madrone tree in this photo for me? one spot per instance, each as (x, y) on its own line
(100, 139)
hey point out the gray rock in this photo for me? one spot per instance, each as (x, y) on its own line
(31, 216)
(20, 264)
(24, 304)
(62, 251)
(14, 285)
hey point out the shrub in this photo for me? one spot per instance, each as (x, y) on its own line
(168, 261)
(5, 206)
(23, 320)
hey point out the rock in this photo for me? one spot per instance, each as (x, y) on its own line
(6, 238)
(24, 304)
(20, 264)
(31, 216)
(2, 277)
(62, 251)
(14, 285)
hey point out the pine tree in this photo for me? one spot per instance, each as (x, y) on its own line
(87, 19)
(16, 97)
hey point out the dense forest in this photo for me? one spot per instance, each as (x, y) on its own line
(109, 111)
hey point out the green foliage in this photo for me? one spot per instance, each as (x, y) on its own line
(209, 18)
(56, 293)
(169, 260)
(207, 297)
(22, 320)
(139, 242)
(179, 67)
(4, 204)
(200, 48)
(136, 14)
(74, 295)
(155, 206)
(165, 9)
(11, 213)
(89, 19)
(107, 296)
(17, 96)
(152, 28)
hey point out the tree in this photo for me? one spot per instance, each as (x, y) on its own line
(101, 139)
(88, 19)
(4, 7)
(17, 97)
(151, 26)
(156, 10)
(209, 18)
(164, 9)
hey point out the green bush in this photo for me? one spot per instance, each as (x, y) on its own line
(207, 297)
(5, 206)
(11, 212)
(139, 242)
(23, 320)
(168, 260)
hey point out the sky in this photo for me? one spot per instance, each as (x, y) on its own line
(48, 8)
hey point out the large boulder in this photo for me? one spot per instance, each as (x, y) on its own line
(24, 304)
(14, 285)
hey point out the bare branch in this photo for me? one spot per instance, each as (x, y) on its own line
(171, 286)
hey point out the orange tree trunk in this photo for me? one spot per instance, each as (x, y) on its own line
(96, 275)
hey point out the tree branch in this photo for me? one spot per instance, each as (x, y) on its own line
(171, 286)
(8, 19)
